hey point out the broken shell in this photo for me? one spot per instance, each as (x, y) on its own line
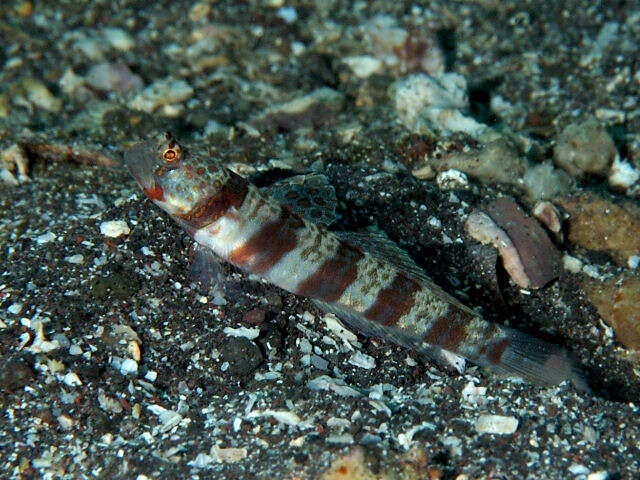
(527, 254)
(548, 215)
(134, 351)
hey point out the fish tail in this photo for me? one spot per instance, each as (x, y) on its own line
(510, 352)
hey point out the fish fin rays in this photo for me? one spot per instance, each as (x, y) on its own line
(207, 273)
(537, 361)
(377, 243)
(310, 196)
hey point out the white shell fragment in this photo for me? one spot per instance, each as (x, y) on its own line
(114, 228)
(496, 424)
(249, 333)
(362, 360)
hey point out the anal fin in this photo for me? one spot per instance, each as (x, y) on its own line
(357, 322)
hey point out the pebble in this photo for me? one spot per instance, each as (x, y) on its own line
(622, 174)
(167, 418)
(15, 308)
(452, 180)
(597, 223)
(118, 38)
(39, 95)
(497, 162)
(282, 416)
(72, 379)
(617, 300)
(76, 259)
(14, 374)
(544, 182)
(584, 148)
(306, 111)
(363, 66)
(108, 404)
(45, 238)
(496, 424)
(362, 360)
(113, 77)
(249, 333)
(243, 356)
(324, 382)
(424, 103)
(162, 93)
(114, 228)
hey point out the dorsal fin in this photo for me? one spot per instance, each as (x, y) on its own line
(310, 196)
(377, 243)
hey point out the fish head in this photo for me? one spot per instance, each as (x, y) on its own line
(188, 187)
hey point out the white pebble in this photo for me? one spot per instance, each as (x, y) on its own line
(15, 308)
(245, 332)
(76, 259)
(600, 475)
(496, 424)
(129, 366)
(72, 379)
(114, 228)
(161, 93)
(622, 174)
(118, 38)
(362, 360)
(45, 238)
(633, 261)
(75, 350)
(151, 375)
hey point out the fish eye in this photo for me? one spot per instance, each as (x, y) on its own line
(170, 155)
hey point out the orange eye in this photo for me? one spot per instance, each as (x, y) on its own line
(170, 155)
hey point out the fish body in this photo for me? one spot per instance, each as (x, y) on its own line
(378, 291)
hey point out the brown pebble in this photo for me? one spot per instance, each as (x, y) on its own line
(253, 317)
(15, 374)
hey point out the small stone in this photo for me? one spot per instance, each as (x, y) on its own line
(307, 111)
(76, 259)
(162, 93)
(72, 379)
(39, 95)
(622, 174)
(113, 77)
(118, 38)
(424, 103)
(596, 223)
(362, 360)
(109, 404)
(14, 374)
(452, 180)
(15, 308)
(548, 214)
(66, 422)
(114, 228)
(584, 148)
(617, 300)
(228, 455)
(242, 355)
(45, 238)
(600, 475)
(249, 333)
(167, 418)
(129, 367)
(363, 66)
(496, 424)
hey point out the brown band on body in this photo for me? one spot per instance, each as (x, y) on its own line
(207, 211)
(449, 331)
(393, 301)
(493, 352)
(334, 276)
(269, 244)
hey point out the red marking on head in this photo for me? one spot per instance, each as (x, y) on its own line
(393, 301)
(334, 276)
(208, 210)
(154, 193)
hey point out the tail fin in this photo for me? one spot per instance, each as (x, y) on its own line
(534, 360)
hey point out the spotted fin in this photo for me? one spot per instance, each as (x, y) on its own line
(310, 196)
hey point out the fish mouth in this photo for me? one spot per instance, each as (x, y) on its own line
(141, 162)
